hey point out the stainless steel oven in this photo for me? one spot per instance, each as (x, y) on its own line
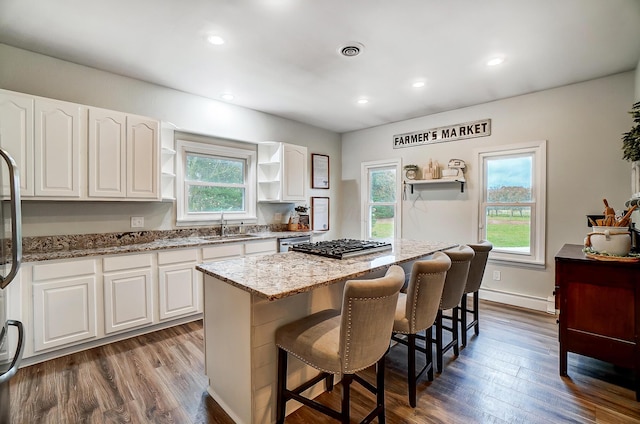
(285, 243)
(11, 332)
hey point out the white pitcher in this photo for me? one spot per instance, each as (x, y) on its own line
(612, 240)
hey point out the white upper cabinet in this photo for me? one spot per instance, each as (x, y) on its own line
(143, 158)
(282, 172)
(16, 136)
(123, 156)
(107, 153)
(67, 151)
(58, 134)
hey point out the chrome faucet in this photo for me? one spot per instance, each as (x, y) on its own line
(221, 224)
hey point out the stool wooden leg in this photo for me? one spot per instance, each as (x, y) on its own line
(411, 374)
(281, 402)
(380, 389)
(438, 338)
(476, 314)
(429, 352)
(346, 391)
(463, 320)
(328, 383)
(454, 331)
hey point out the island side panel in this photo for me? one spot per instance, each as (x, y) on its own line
(268, 316)
(227, 337)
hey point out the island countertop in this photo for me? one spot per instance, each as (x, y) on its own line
(280, 275)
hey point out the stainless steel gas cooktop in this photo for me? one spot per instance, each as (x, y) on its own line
(342, 248)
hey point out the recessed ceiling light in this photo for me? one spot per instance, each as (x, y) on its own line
(216, 40)
(495, 61)
(228, 96)
(418, 84)
(363, 101)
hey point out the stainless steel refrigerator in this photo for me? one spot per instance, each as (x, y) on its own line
(11, 332)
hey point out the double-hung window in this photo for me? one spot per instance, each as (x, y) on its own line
(214, 180)
(512, 202)
(380, 200)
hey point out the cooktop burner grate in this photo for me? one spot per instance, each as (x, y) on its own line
(342, 248)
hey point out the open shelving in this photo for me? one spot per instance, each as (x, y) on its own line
(459, 180)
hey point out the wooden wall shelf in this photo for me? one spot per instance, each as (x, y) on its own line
(461, 181)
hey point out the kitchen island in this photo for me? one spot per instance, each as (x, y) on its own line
(247, 299)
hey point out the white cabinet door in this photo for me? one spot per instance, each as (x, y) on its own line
(128, 291)
(143, 158)
(282, 172)
(294, 173)
(64, 303)
(128, 301)
(58, 135)
(179, 283)
(107, 153)
(16, 137)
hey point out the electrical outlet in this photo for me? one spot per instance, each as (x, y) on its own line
(496, 275)
(137, 221)
(277, 217)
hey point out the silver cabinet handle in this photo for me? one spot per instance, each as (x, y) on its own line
(18, 356)
(16, 219)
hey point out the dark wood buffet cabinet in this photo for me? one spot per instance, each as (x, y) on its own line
(599, 304)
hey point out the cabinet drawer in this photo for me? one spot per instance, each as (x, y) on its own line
(598, 273)
(268, 246)
(224, 251)
(116, 263)
(53, 271)
(177, 256)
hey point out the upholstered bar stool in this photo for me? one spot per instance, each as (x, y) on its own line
(416, 311)
(342, 342)
(454, 285)
(474, 280)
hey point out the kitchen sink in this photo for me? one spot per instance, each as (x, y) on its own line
(230, 237)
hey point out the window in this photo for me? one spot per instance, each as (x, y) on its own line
(511, 212)
(380, 194)
(212, 180)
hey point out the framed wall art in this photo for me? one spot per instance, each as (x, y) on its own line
(320, 213)
(319, 171)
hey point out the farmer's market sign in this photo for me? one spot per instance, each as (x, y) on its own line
(439, 135)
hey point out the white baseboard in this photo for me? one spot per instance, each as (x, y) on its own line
(517, 299)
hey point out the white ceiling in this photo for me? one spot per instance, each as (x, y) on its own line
(280, 56)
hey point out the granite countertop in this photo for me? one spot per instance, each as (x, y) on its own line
(67, 247)
(270, 276)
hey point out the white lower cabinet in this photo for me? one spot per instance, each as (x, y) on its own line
(179, 283)
(128, 292)
(64, 303)
(70, 302)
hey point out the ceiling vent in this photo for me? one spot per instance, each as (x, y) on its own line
(351, 49)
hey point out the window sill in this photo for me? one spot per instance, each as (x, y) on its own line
(232, 220)
(518, 262)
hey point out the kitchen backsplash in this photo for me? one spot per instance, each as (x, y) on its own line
(90, 241)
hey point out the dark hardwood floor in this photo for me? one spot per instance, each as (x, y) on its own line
(508, 374)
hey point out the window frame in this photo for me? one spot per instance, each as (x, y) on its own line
(364, 196)
(186, 147)
(538, 152)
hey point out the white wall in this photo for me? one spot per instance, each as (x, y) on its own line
(45, 76)
(638, 82)
(582, 124)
